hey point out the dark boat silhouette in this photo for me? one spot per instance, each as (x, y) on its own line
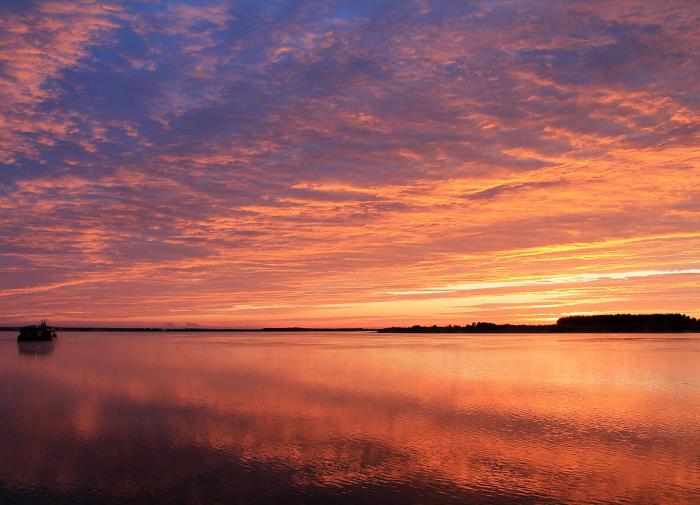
(37, 333)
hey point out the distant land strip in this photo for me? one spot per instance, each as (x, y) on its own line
(603, 323)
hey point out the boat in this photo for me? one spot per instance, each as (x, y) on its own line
(37, 333)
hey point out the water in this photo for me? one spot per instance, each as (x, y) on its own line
(350, 418)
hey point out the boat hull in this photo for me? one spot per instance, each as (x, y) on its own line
(36, 335)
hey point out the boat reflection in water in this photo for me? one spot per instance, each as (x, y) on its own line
(352, 418)
(36, 348)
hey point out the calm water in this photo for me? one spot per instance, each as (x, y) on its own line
(350, 418)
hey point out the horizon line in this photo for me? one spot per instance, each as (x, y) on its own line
(326, 328)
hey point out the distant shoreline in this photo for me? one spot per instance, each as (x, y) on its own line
(603, 323)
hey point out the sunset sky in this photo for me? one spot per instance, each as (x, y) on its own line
(357, 163)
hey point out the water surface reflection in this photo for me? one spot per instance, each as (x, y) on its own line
(36, 348)
(351, 418)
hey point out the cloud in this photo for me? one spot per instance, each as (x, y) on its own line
(496, 191)
(570, 279)
(324, 154)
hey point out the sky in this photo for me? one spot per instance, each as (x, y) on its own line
(348, 163)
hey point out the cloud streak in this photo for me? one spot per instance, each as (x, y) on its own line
(570, 279)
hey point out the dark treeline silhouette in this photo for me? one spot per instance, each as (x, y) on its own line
(629, 323)
(604, 323)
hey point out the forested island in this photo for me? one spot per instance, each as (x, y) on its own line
(603, 323)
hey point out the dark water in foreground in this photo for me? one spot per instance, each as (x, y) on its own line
(351, 418)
